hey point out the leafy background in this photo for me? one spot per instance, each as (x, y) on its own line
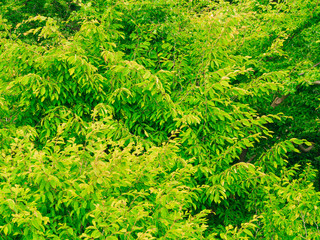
(159, 119)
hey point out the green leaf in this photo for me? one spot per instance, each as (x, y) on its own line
(248, 232)
(71, 71)
(96, 234)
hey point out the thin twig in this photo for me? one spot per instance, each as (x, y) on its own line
(317, 64)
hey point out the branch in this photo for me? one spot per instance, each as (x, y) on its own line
(312, 20)
(276, 102)
(243, 155)
(317, 64)
(249, 161)
(308, 149)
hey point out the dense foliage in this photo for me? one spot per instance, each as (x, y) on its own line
(167, 119)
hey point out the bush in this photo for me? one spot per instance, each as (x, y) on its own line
(159, 119)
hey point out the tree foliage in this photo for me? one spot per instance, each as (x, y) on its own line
(166, 119)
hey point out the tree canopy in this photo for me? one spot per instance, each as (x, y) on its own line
(159, 119)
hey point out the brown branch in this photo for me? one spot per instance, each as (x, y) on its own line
(253, 157)
(317, 64)
(243, 155)
(308, 149)
(276, 102)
